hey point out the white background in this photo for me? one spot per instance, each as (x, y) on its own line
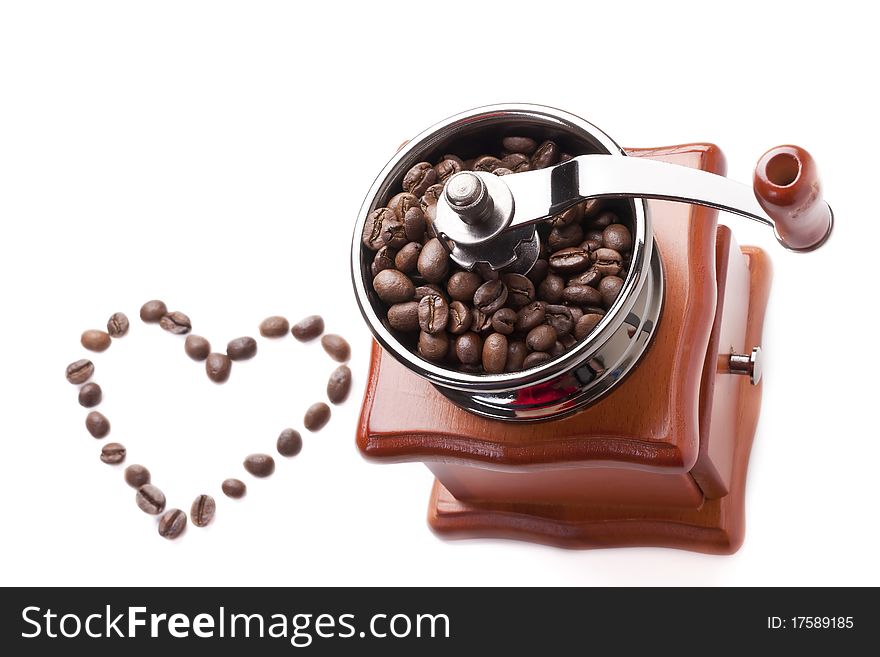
(214, 155)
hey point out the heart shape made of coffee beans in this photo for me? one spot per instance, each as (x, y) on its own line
(172, 522)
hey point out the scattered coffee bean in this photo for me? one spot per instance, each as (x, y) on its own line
(259, 465)
(289, 442)
(153, 311)
(274, 327)
(113, 453)
(317, 416)
(172, 524)
(97, 424)
(150, 499)
(90, 395)
(218, 367)
(336, 347)
(117, 325)
(241, 348)
(203, 508)
(309, 328)
(196, 347)
(176, 322)
(234, 488)
(137, 476)
(339, 385)
(80, 371)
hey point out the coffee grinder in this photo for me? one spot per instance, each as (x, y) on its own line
(640, 434)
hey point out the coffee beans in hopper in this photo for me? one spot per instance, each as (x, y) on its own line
(172, 524)
(202, 510)
(503, 322)
(97, 424)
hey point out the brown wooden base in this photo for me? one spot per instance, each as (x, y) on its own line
(716, 526)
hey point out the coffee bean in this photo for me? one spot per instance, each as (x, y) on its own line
(424, 290)
(617, 237)
(568, 217)
(486, 163)
(502, 171)
(117, 325)
(469, 348)
(384, 259)
(234, 488)
(97, 424)
(462, 285)
(562, 237)
(529, 317)
(431, 196)
(375, 223)
(460, 318)
(196, 347)
(607, 262)
(202, 510)
(504, 320)
(515, 162)
(609, 288)
(559, 317)
(536, 358)
(150, 499)
(95, 340)
(585, 325)
(490, 296)
(433, 313)
(480, 322)
(274, 327)
(445, 169)
(113, 453)
(309, 328)
(576, 313)
(546, 155)
(394, 233)
(590, 277)
(433, 346)
(136, 476)
(581, 295)
(172, 524)
(404, 316)
(515, 144)
(433, 261)
(80, 371)
(495, 353)
(419, 178)
(539, 271)
(393, 286)
(90, 395)
(541, 338)
(407, 258)
(604, 220)
(259, 465)
(153, 311)
(336, 347)
(339, 385)
(289, 443)
(520, 290)
(401, 203)
(218, 367)
(516, 355)
(571, 260)
(414, 224)
(316, 417)
(550, 289)
(176, 322)
(242, 348)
